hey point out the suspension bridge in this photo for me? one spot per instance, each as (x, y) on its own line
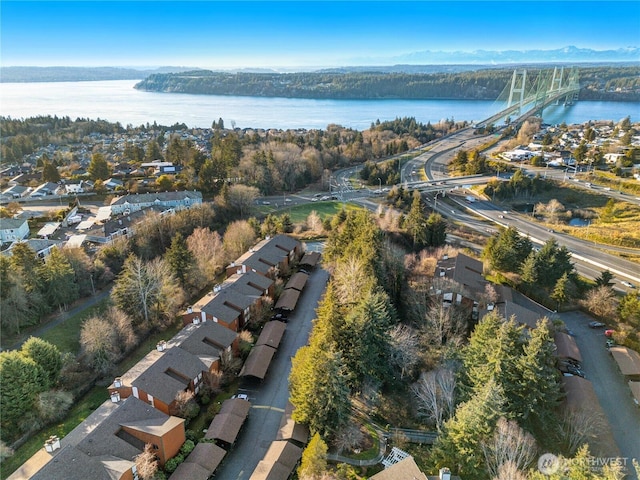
(528, 94)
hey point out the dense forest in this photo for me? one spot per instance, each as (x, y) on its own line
(599, 83)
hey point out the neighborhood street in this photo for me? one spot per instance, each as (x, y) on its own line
(269, 398)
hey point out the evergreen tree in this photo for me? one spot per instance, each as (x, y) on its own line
(436, 230)
(415, 222)
(538, 391)
(507, 250)
(58, 280)
(318, 389)
(98, 167)
(50, 173)
(46, 355)
(314, 459)
(604, 279)
(21, 380)
(153, 151)
(561, 290)
(460, 446)
(179, 257)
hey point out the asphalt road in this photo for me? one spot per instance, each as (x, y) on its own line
(269, 397)
(609, 384)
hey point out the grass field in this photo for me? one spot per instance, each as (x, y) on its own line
(299, 213)
(66, 336)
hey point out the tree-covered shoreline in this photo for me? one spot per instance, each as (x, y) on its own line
(598, 83)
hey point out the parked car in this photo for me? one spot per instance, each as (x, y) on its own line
(609, 333)
(242, 396)
(596, 325)
(611, 343)
(281, 317)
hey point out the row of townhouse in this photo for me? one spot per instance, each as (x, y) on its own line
(143, 398)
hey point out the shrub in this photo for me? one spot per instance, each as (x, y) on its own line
(187, 447)
(54, 404)
(190, 434)
(171, 464)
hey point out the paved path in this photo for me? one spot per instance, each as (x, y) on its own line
(609, 384)
(62, 317)
(269, 398)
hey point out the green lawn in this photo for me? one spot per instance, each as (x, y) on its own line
(66, 336)
(299, 213)
(78, 413)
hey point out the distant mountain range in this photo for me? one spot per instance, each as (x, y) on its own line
(570, 54)
(417, 62)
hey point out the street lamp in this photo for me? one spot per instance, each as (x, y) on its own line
(380, 184)
(435, 199)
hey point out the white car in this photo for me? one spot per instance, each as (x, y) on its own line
(241, 396)
(628, 284)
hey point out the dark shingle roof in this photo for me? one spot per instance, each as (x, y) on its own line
(271, 334)
(162, 378)
(208, 338)
(258, 361)
(297, 281)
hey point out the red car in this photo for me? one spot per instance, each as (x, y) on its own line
(609, 333)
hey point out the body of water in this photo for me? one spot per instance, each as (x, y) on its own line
(118, 101)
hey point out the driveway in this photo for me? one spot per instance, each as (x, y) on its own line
(609, 384)
(269, 398)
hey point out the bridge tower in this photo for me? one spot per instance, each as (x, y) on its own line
(518, 84)
(556, 80)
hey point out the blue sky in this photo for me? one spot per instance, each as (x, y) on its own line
(298, 34)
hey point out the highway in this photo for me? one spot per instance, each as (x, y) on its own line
(428, 173)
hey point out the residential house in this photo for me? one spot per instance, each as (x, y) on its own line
(269, 257)
(42, 247)
(231, 303)
(16, 191)
(12, 229)
(104, 446)
(164, 200)
(160, 376)
(47, 188)
(182, 363)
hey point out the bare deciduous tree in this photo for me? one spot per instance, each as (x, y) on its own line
(206, 247)
(241, 198)
(602, 301)
(509, 471)
(351, 281)
(435, 392)
(509, 451)
(580, 426)
(146, 463)
(348, 438)
(405, 348)
(314, 222)
(238, 237)
(444, 324)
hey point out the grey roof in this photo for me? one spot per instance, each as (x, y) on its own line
(258, 361)
(208, 338)
(133, 412)
(271, 334)
(465, 270)
(73, 464)
(158, 379)
(297, 281)
(216, 308)
(157, 197)
(285, 242)
(11, 223)
(403, 470)
(310, 258)
(36, 244)
(249, 283)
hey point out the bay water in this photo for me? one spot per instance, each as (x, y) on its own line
(118, 101)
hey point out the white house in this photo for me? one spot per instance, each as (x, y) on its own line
(612, 158)
(12, 229)
(165, 200)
